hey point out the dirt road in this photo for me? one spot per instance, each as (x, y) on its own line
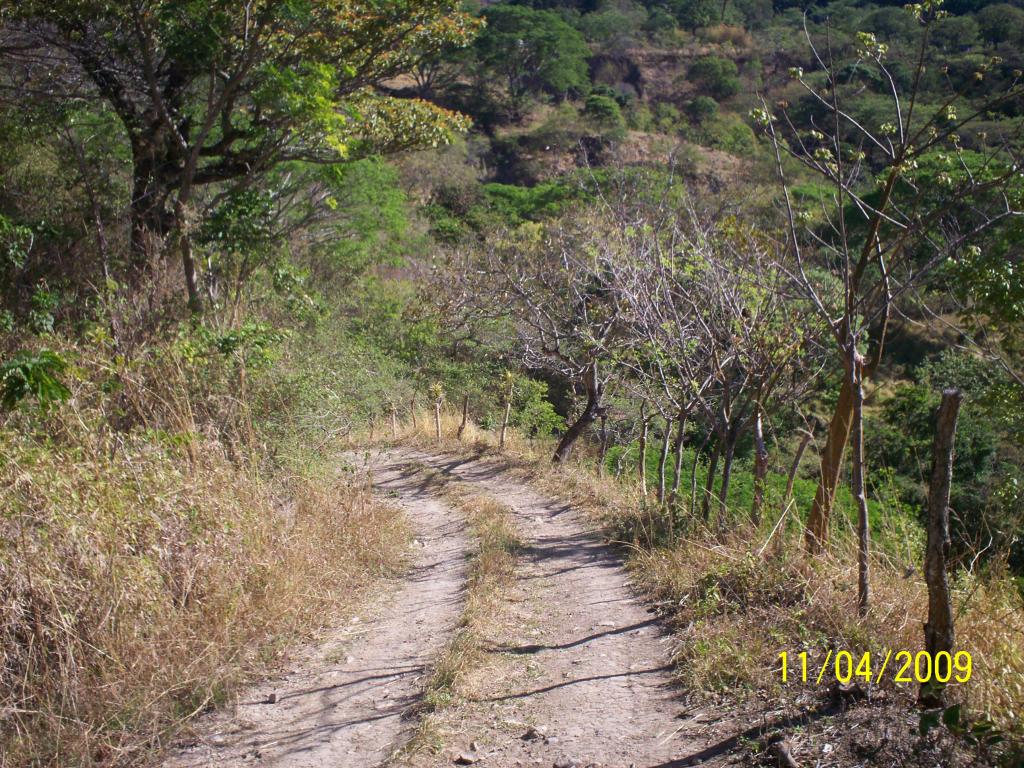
(345, 703)
(577, 674)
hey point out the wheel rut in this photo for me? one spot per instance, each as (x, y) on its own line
(347, 702)
(583, 671)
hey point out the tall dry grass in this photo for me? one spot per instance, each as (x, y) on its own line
(740, 599)
(149, 563)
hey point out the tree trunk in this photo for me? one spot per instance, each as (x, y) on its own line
(693, 474)
(465, 416)
(791, 479)
(760, 465)
(723, 491)
(816, 534)
(150, 219)
(677, 448)
(709, 482)
(504, 421)
(856, 376)
(939, 634)
(184, 237)
(641, 464)
(602, 454)
(591, 412)
(666, 439)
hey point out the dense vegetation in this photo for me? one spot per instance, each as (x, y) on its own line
(706, 244)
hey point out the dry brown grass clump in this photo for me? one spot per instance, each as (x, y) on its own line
(146, 572)
(738, 603)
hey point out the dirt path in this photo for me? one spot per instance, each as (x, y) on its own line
(577, 673)
(580, 672)
(343, 704)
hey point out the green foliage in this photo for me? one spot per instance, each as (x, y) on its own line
(33, 374)
(987, 495)
(533, 413)
(702, 109)
(518, 204)
(533, 51)
(1001, 23)
(716, 76)
(15, 240)
(694, 14)
(954, 34)
(604, 112)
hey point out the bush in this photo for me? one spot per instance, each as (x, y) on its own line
(716, 76)
(721, 34)
(701, 109)
(605, 114)
(146, 572)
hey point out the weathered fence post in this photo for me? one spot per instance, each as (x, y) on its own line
(437, 391)
(939, 633)
(465, 416)
(508, 412)
(642, 463)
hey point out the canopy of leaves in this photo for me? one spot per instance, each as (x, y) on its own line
(533, 50)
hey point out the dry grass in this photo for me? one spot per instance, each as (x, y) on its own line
(146, 572)
(737, 604)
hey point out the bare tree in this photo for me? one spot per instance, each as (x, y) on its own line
(558, 291)
(882, 232)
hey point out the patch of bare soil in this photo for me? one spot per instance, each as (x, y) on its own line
(578, 671)
(346, 702)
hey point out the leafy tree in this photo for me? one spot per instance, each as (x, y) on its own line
(35, 374)
(955, 33)
(533, 51)
(604, 112)
(701, 109)
(214, 92)
(886, 232)
(718, 76)
(1001, 23)
(694, 14)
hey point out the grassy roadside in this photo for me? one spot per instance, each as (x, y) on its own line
(737, 600)
(148, 572)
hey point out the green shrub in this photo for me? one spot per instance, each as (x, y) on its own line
(605, 114)
(701, 109)
(716, 76)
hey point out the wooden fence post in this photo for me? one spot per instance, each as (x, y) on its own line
(508, 412)
(642, 463)
(939, 633)
(465, 416)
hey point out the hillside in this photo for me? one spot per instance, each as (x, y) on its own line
(565, 382)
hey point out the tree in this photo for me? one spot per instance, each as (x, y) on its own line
(718, 76)
(605, 114)
(217, 92)
(556, 287)
(694, 14)
(701, 109)
(883, 233)
(955, 33)
(533, 51)
(1001, 23)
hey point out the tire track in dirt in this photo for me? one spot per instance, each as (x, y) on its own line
(583, 670)
(347, 702)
